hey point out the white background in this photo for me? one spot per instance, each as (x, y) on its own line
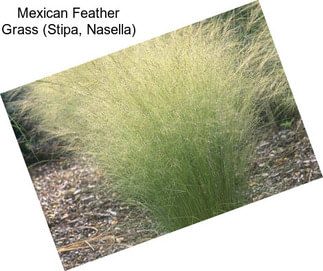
(283, 232)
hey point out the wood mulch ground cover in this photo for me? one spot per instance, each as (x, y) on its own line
(88, 223)
(284, 159)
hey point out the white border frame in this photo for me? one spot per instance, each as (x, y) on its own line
(283, 232)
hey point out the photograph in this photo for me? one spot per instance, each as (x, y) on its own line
(161, 135)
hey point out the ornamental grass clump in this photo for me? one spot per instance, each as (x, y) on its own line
(170, 122)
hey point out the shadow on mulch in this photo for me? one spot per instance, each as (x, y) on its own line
(284, 159)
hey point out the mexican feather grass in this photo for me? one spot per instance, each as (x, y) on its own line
(171, 121)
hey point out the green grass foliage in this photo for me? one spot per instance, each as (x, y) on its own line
(274, 99)
(171, 121)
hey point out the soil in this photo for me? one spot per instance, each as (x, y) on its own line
(88, 222)
(284, 159)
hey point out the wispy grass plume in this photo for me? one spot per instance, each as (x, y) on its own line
(170, 121)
